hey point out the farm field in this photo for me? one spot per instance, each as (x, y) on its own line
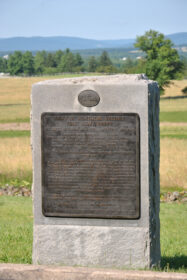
(175, 88)
(16, 162)
(15, 100)
(16, 232)
(15, 153)
(15, 97)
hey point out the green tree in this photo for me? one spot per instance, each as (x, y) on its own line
(3, 65)
(78, 60)
(40, 61)
(67, 62)
(50, 60)
(28, 63)
(110, 69)
(92, 64)
(162, 60)
(57, 57)
(15, 65)
(104, 59)
(128, 65)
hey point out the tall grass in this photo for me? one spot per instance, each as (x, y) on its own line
(173, 110)
(16, 164)
(175, 88)
(15, 99)
(173, 105)
(15, 160)
(173, 131)
(15, 113)
(173, 162)
(17, 90)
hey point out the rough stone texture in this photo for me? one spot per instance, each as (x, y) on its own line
(154, 178)
(107, 79)
(100, 242)
(87, 246)
(32, 272)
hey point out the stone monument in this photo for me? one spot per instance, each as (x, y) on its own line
(95, 147)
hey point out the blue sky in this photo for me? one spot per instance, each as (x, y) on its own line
(95, 19)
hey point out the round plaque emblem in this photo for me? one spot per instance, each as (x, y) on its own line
(89, 98)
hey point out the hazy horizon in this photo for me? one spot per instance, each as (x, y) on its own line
(96, 20)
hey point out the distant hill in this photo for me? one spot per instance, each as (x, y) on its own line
(55, 43)
(178, 39)
(61, 42)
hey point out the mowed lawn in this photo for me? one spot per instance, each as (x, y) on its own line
(16, 222)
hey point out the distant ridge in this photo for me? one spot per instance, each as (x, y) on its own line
(55, 43)
(74, 43)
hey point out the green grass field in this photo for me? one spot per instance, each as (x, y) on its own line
(15, 229)
(173, 236)
(15, 113)
(173, 110)
(180, 116)
(173, 105)
(178, 132)
(14, 133)
(16, 222)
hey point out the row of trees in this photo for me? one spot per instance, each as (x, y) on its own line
(161, 62)
(50, 63)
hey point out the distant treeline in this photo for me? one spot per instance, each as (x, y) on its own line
(43, 62)
(25, 63)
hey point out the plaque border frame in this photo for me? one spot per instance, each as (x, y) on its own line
(138, 185)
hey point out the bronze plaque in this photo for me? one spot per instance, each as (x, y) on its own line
(90, 165)
(88, 98)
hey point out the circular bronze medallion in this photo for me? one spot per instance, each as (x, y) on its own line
(89, 98)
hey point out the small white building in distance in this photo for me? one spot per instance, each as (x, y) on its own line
(5, 56)
(124, 58)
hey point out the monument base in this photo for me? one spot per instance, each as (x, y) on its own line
(91, 246)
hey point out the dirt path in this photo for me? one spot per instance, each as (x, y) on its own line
(14, 126)
(173, 124)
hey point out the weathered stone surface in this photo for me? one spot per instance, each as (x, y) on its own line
(154, 177)
(101, 242)
(87, 246)
(33, 272)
